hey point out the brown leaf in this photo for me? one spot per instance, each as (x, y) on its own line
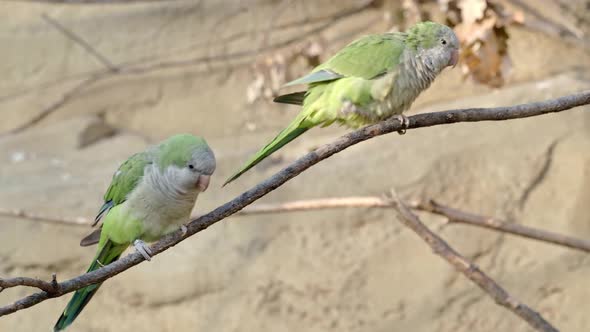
(272, 71)
(486, 59)
(482, 33)
(472, 10)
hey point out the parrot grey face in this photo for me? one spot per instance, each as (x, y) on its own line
(196, 173)
(201, 167)
(444, 52)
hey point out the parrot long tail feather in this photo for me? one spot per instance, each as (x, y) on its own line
(287, 135)
(295, 98)
(110, 252)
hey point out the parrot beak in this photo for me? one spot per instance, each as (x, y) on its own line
(203, 182)
(454, 58)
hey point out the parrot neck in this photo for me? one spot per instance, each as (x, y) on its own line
(418, 71)
(166, 185)
(160, 202)
(414, 76)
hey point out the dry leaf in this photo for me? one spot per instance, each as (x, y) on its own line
(254, 89)
(269, 75)
(472, 10)
(483, 36)
(271, 71)
(486, 59)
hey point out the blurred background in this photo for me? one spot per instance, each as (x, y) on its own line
(84, 84)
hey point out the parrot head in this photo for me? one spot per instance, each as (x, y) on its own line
(437, 44)
(187, 162)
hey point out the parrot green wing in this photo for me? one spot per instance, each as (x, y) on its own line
(323, 75)
(124, 181)
(126, 178)
(366, 57)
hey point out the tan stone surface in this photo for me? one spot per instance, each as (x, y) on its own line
(346, 270)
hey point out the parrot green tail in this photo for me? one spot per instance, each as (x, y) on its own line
(295, 98)
(110, 252)
(288, 134)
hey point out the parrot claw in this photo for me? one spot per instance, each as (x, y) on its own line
(143, 249)
(405, 122)
(183, 229)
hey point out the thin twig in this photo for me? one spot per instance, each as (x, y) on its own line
(80, 41)
(470, 270)
(294, 169)
(317, 204)
(71, 93)
(65, 98)
(146, 65)
(142, 65)
(457, 216)
(547, 25)
(20, 213)
(49, 287)
(453, 216)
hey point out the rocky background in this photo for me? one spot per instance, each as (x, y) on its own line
(209, 67)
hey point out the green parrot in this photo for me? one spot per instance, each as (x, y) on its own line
(151, 194)
(371, 79)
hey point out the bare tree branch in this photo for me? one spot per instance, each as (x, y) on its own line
(80, 41)
(452, 215)
(146, 64)
(461, 217)
(471, 271)
(20, 213)
(544, 24)
(317, 204)
(294, 169)
(65, 98)
(76, 89)
(151, 63)
(49, 287)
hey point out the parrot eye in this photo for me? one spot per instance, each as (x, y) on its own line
(442, 41)
(191, 166)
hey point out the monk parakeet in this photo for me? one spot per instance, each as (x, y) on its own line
(151, 194)
(371, 79)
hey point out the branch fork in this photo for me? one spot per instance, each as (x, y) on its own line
(52, 288)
